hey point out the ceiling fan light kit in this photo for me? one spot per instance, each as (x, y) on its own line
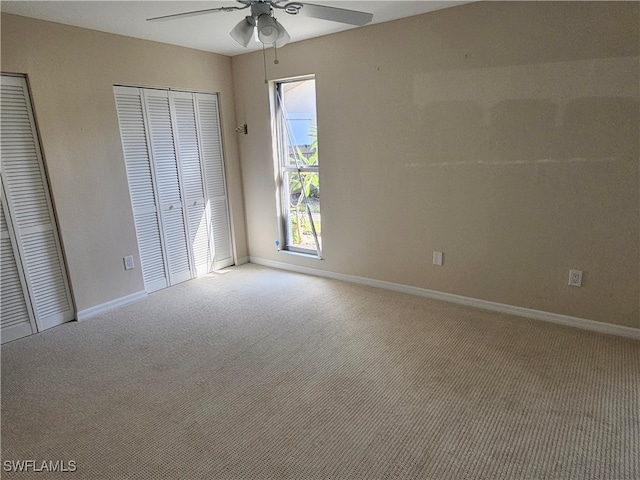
(243, 31)
(269, 30)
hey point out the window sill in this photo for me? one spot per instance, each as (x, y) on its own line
(311, 256)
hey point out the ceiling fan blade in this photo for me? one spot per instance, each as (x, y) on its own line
(352, 17)
(195, 12)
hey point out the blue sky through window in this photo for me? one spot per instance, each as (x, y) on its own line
(299, 125)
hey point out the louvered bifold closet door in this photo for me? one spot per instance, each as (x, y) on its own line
(167, 179)
(16, 317)
(216, 192)
(189, 160)
(28, 205)
(141, 187)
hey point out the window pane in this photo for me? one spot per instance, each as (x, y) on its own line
(304, 209)
(298, 147)
(301, 156)
(299, 114)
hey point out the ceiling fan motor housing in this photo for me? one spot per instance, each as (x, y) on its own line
(261, 8)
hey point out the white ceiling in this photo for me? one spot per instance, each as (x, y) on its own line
(205, 32)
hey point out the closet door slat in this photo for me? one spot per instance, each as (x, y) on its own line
(141, 186)
(28, 205)
(216, 192)
(165, 165)
(190, 161)
(16, 318)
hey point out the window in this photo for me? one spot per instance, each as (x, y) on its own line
(296, 151)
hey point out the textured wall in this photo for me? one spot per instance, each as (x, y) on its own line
(504, 134)
(71, 72)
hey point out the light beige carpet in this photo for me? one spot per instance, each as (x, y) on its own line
(263, 374)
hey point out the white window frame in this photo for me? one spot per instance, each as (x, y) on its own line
(281, 168)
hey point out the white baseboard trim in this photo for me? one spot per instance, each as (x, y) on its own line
(242, 261)
(566, 320)
(105, 307)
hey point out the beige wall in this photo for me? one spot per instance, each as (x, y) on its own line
(71, 72)
(504, 134)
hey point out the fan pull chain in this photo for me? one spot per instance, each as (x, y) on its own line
(264, 61)
(275, 49)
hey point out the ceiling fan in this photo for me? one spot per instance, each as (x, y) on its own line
(263, 22)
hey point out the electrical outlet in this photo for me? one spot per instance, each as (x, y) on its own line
(128, 262)
(575, 278)
(437, 258)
